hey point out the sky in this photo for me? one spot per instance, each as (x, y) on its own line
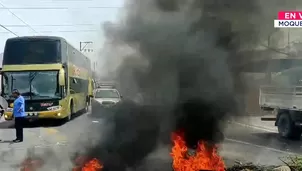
(75, 20)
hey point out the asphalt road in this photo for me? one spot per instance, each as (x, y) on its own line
(251, 142)
(247, 140)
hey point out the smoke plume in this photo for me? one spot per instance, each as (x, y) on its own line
(176, 64)
(178, 70)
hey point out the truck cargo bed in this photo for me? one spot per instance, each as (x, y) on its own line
(268, 118)
(272, 97)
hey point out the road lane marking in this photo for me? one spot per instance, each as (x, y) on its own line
(59, 136)
(261, 146)
(51, 131)
(52, 145)
(254, 127)
(256, 145)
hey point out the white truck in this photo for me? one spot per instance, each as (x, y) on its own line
(283, 97)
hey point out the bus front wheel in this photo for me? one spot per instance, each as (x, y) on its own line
(87, 105)
(71, 108)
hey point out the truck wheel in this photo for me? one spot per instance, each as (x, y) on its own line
(287, 128)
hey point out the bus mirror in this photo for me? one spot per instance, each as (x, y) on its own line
(62, 77)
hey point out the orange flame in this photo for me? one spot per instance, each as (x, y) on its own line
(205, 158)
(91, 165)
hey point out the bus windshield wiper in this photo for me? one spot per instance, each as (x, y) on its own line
(32, 76)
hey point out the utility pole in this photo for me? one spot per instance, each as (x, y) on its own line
(84, 44)
(268, 74)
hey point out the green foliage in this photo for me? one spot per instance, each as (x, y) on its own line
(294, 162)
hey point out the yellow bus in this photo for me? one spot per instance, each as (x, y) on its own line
(54, 78)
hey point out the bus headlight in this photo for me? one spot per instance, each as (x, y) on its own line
(54, 108)
(9, 110)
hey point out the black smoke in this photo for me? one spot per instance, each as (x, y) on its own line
(180, 74)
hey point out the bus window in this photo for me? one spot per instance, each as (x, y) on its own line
(31, 51)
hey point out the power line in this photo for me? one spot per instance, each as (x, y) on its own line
(18, 17)
(25, 8)
(9, 30)
(69, 31)
(55, 8)
(73, 0)
(49, 25)
(62, 31)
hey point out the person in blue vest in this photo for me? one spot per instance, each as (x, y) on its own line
(19, 115)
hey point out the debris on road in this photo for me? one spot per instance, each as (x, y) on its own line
(282, 168)
(250, 167)
(290, 164)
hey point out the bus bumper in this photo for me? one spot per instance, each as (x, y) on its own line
(55, 114)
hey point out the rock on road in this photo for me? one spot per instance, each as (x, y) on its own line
(246, 140)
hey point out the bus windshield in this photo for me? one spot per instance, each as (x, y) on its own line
(31, 51)
(32, 85)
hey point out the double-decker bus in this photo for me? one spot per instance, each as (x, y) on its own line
(54, 78)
